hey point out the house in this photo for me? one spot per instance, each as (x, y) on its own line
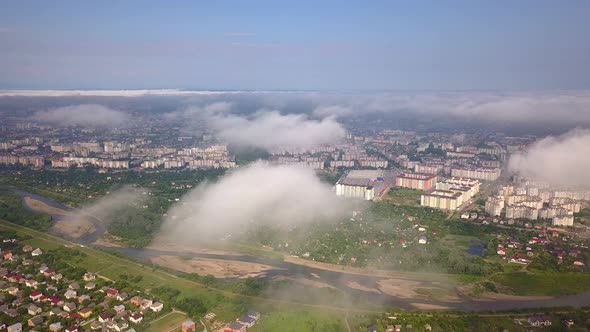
(83, 298)
(136, 300)
(235, 327)
(427, 327)
(188, 325)
(89, 276)
(422, 240)
(31, 283)
(247, 321)
(72, 329)
(95, 325)
(57, 277)
(112, 292)
(55, 327)
(253, 314)
(55, 312)
(579, 263)
(27, 248)
(35, 296)
(85, 312)
(104, 317)
(36, 252)
(34, 310)
(121, 296)
(136, 318)
(7, 255)
(18, 327)
(500, 250)
(539, 321)
(372, 328)
(74, 286)
(70, 294)
(157, 307)
(69, 307)
(35, 321)
(145, 303)
(90, 286)
(119, 309)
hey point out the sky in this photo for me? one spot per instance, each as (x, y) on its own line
(303, 45)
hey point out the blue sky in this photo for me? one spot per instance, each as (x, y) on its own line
(329, 45)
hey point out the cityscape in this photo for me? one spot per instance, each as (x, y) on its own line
(232, 168)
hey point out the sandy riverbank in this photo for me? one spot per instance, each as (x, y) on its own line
(73, 227)
(42, 207)
(215, 267)
(369, 271)
(165, 245)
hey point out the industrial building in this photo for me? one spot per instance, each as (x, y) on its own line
(418, 181)
(364, 184)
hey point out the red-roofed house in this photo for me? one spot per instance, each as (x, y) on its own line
(36, 296)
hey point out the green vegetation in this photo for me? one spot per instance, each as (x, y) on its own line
(12, 210)
(296, 321)
(134, 225)
(544, 283)
(167, 322)
(404, 196)
(583, 216)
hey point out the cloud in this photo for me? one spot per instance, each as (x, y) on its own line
(561, 108)
(267, 129)
(194, 112)
(332, 110)
(283, 196)
(85, 115)
(6, 29)
(562, 160)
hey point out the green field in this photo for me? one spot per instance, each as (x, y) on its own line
(167, 323)
(403, 196)
(550, 284)
(296, 321)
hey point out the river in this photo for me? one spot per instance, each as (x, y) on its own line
(340, 280)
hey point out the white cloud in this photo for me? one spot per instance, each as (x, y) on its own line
(269, 129)
(562, 160)
(259, 193)
(85, 115)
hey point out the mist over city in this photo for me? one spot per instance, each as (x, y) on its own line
(305, 166)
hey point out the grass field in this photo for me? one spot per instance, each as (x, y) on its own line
(551, 284)
(296, 321)
(403, 196)
(167, 323)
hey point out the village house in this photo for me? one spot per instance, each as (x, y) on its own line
(539, 321)
(36, 252)
(136, 318)
(18, 327)
(188, 325)
(55, 327)
(85, 312)
(33, 310)
(157, 307)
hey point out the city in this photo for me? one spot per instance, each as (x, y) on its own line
(218, 173)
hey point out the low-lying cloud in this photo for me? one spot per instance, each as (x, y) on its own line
(268, 129)
(562, 160)
(281, 195)
(85, 115)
